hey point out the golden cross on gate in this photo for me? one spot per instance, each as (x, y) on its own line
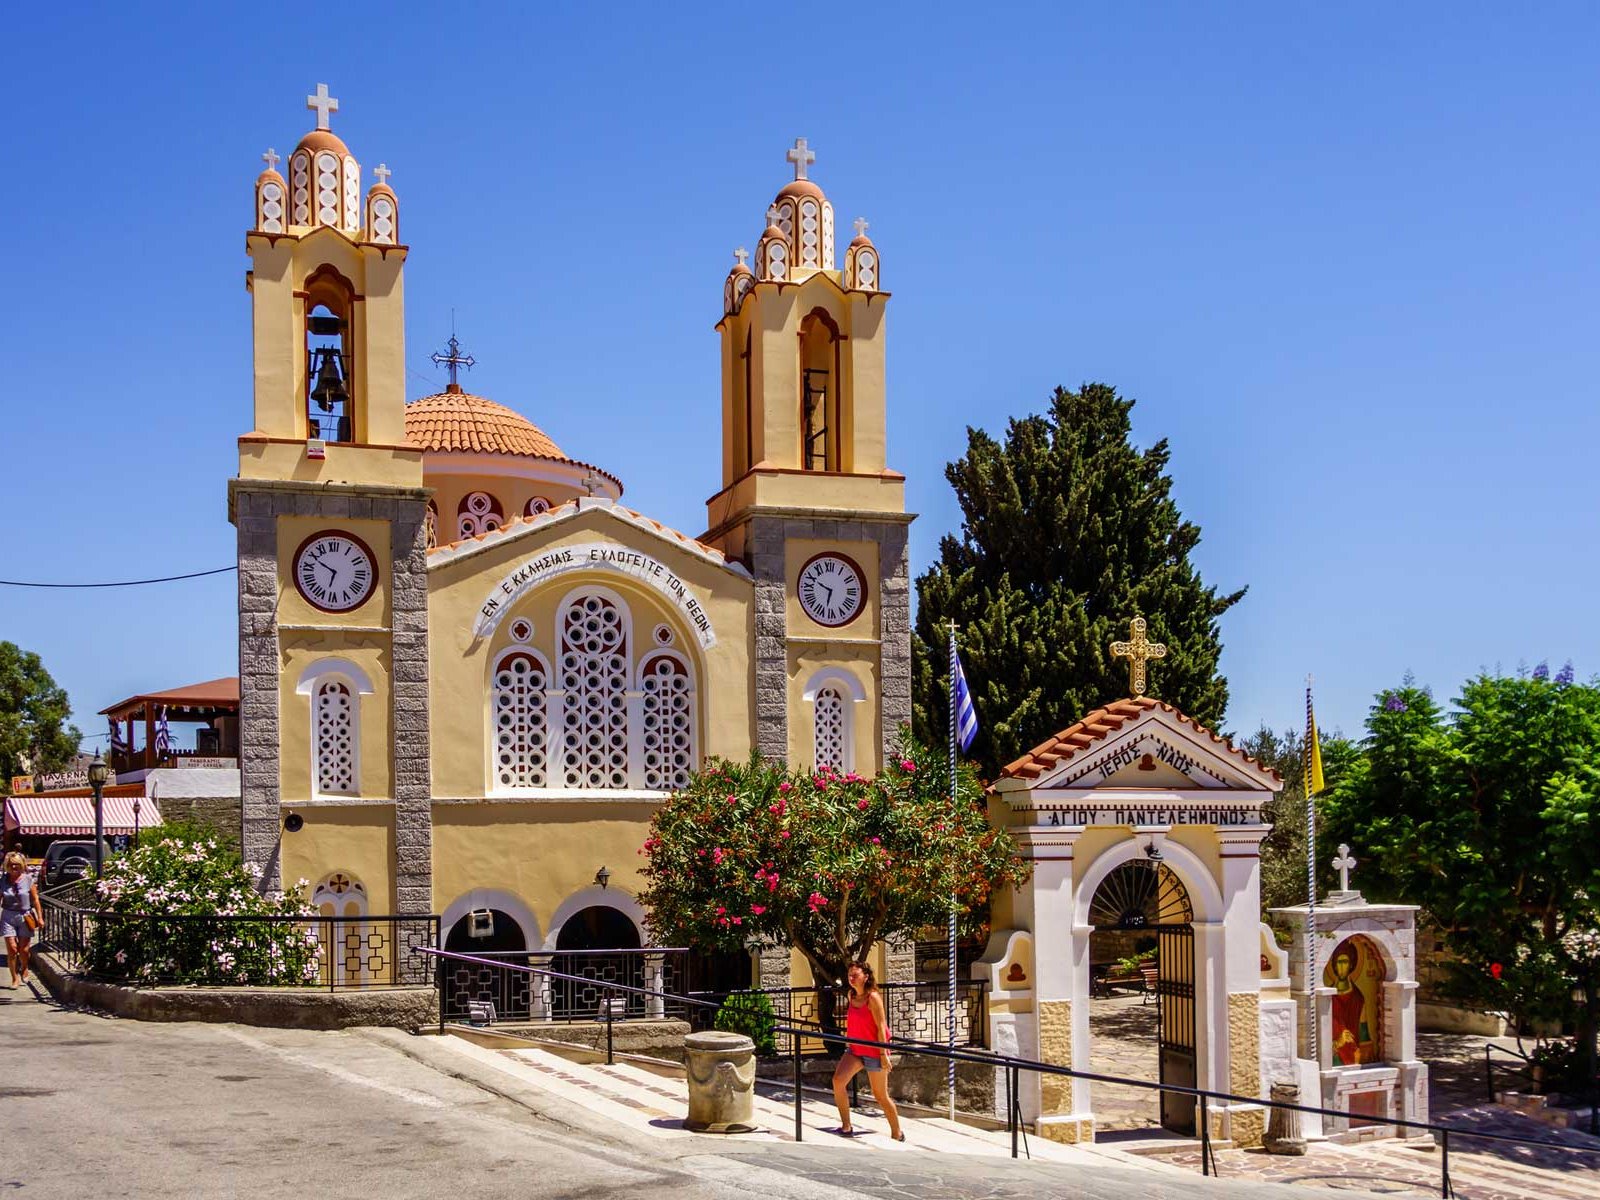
(1138, 651)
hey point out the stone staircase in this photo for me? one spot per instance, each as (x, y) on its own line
(650, 1099)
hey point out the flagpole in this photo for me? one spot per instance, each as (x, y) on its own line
(1311, 886)
(950, 1011)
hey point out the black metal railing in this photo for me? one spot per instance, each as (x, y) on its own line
(1012, 1067)
(915, 1011)
(336, 953)
(574, 988)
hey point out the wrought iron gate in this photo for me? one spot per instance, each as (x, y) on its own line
(1176, 1044)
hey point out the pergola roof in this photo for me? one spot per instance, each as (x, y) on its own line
(212, 694)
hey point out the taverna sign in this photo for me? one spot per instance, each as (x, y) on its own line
(592, 556)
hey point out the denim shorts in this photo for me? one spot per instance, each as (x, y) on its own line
(872, 1062)
(15, 925)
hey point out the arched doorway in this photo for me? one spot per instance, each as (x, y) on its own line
(594, 943)
(1142, 998)
(357, 952)
(486, 932)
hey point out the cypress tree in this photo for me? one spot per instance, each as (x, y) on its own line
(1068, 532)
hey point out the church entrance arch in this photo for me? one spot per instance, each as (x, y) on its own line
(1142, 965)
(489, 933)
(594, 944)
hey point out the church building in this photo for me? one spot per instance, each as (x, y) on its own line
(468, 673)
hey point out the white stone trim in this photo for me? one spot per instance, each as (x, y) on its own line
(507, 902)
(316, 675)
(834, 675)
(595, 896)
(1204, 894)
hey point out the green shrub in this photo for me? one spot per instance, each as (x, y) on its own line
(179, 909)
(750, 1013)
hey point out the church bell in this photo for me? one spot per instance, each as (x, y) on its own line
(329, 389)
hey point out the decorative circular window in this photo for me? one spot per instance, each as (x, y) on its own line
(536, 506)
(663, 635)
(521, 629)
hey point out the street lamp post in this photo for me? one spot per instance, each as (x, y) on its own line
(98, 773)
(136, 822)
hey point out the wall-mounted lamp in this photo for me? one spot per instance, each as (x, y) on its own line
(602, 877)
(1153, 851)
(293, 823)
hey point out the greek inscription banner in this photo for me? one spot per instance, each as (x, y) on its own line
(592, 556)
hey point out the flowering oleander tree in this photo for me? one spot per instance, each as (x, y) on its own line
(177, 909)
(1489, 817)
(823, 862)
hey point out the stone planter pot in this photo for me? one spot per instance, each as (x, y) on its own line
(721, 1070)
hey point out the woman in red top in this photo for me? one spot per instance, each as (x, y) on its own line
(865, 1019)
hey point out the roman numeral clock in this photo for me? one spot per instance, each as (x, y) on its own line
(335, 571)
(832, 589)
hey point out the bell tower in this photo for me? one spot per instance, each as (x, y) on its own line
(330, 509)
(808, 501)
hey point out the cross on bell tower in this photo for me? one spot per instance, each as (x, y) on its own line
(323, 104)
(1138, 651)
(801, 156)
(454, 360)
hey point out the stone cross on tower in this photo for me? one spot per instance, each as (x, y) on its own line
(801, 156)
(861, 226)
(1138, 652)
(454, 359)
(1344, 864)
(272, 158)
(382, 173)
(741, 256)
(592, 483)
(323, 104)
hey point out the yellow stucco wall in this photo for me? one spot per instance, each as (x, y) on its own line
(542, 852)
(460, 665)
(355, 839)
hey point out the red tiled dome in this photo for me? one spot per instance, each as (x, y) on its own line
(457, 421)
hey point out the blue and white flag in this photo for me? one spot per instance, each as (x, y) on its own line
(966, 713)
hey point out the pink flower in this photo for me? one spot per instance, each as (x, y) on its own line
(757, 909)
(784, 833)
(862, 804)
(718, 855)
(738, 920)
(817, 901)
(783, 787)
(877, 841)
(909, 766)
(733, 799)
(720, 910)
(772, 883)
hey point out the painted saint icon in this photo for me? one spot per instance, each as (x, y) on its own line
(1356, 972)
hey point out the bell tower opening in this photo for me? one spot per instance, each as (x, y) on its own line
(819, 393)
(330, 407)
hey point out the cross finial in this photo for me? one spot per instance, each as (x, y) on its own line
(800, 156)
(861, 226)
(1138, 651)
(382, 173)
(1344, 864)
(592, 483)
(454, 359)
(772, 214)
(741, 255)
(272, 158)
(323, 104)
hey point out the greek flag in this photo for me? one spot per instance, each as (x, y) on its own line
(966, 713)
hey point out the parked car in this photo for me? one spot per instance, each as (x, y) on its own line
(65, 861)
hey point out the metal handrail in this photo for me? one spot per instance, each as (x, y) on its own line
(1015, 1066)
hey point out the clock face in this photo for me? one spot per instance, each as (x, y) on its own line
(832, 589)
(334, 571)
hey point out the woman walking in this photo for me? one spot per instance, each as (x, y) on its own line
(865, 1019)
(20, 914)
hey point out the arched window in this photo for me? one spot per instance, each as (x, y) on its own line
(521, 730)
(594, 673)
(333, 724)
(668, 734)
(431, 525)
(832, 746)
(340, 895)
(330, 404)
(479, 512)
(819, 399)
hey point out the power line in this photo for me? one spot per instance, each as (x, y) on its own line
(119, 583)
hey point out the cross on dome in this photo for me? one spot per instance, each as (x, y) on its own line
(861, 226)
(800, 155)
(454, 360)
(382, 173)
(323, 104)
(1138, 651)
(272, 158)
(741, 256)
(592, 483)
(1344, 864)
(772, 214)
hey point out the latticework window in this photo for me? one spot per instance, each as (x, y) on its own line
(832, 745)
(333, 720)
(594, 672)
(479, 513)
(520, 733)
(668, 724)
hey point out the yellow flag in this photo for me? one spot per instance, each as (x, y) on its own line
(1313, 771)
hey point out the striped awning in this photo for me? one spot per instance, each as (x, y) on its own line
(59, 815)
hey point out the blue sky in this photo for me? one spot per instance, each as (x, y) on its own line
(1346, 261)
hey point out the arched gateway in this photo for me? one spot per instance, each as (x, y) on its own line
(1134, 815)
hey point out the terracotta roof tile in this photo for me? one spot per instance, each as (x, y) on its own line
(457, 421)
(219, 693)
(1096, 727)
